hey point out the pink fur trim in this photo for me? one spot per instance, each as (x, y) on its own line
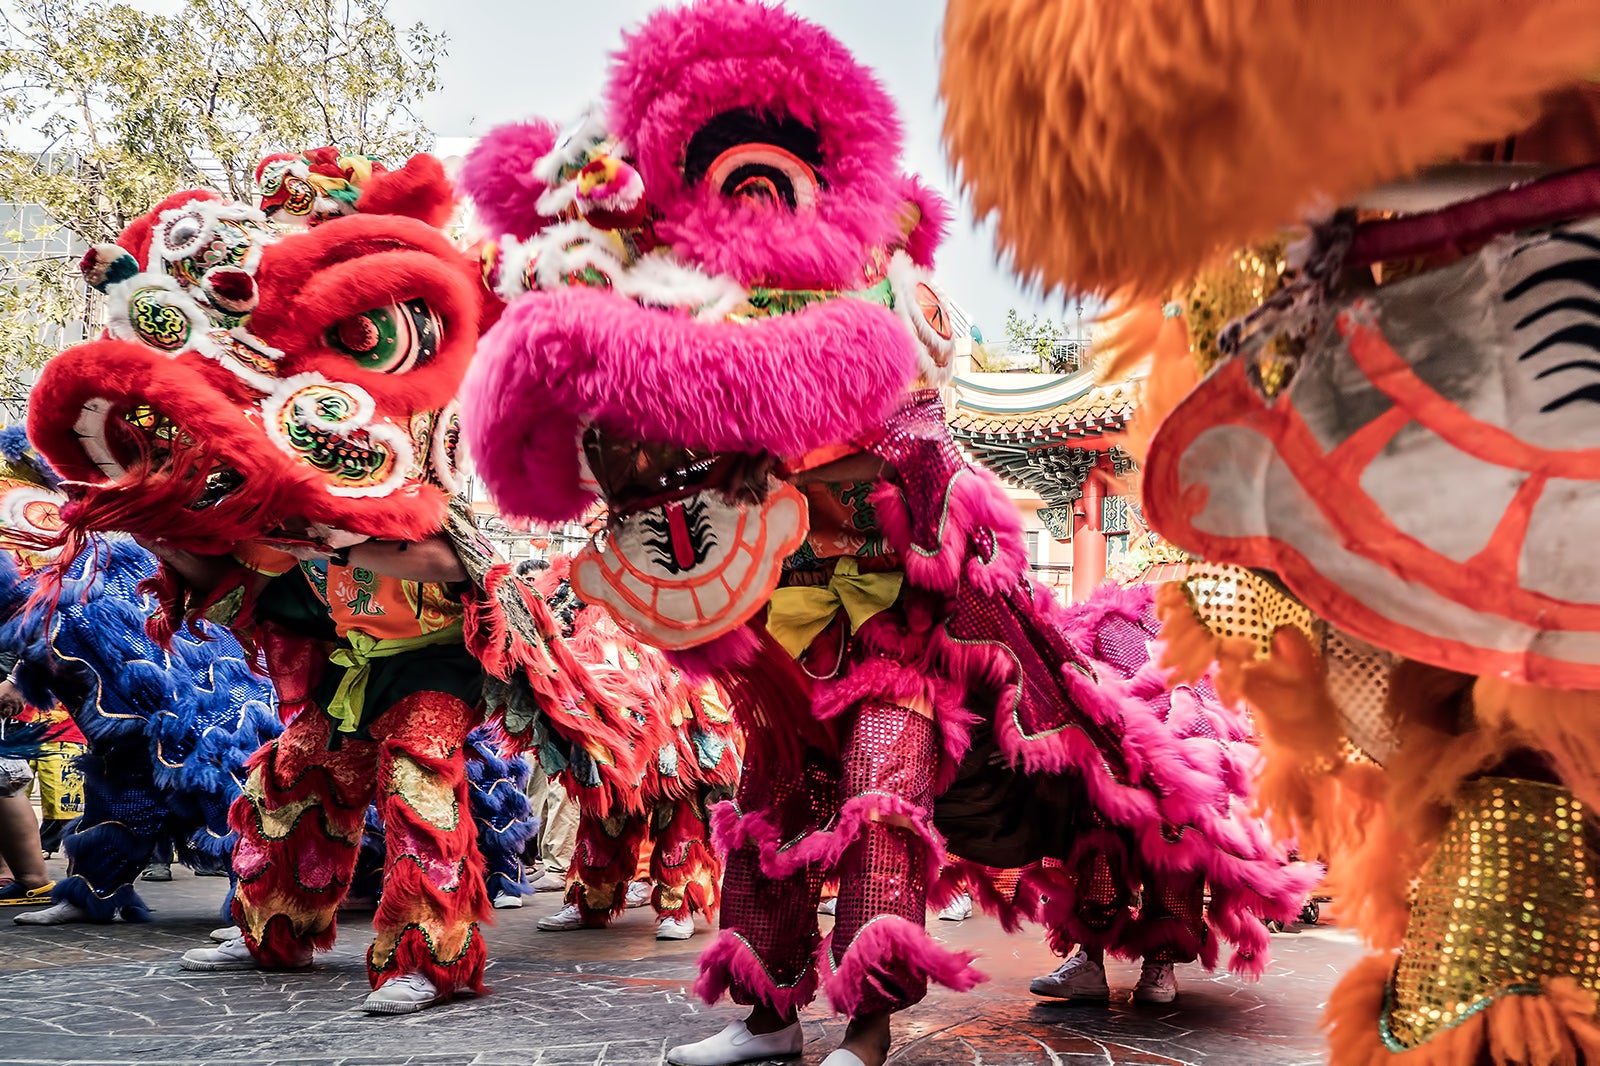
(717, 658)
(925, 238)
(979, 536)
(686, 65)
(556, 361)
(886, 947)
(498, 175)
(730, 967)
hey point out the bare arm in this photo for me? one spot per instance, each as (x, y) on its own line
(432, 560)
(204, 572)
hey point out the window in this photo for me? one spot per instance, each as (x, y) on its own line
(1030, 542)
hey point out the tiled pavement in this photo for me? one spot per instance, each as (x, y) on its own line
(113, 995)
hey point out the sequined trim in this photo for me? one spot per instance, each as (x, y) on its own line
(1506, 903)
(425, 793)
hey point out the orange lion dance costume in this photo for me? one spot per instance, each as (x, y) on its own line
(1390, 456)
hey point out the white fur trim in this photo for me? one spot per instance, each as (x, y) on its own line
(167, 292)
(447, 467)
(937, 359)
(572, 144)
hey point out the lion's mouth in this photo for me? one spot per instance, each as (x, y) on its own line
(634, 476)
(123, 438)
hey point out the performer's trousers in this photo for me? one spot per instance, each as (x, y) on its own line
(300, 823)
(686, 873)
(869, 825)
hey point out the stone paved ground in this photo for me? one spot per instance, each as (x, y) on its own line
(113, 995)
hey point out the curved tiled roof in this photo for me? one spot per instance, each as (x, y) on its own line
(1040, 406)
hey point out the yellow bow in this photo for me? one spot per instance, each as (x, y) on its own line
(356, 657)
(799, 613)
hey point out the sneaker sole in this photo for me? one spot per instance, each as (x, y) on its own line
(239, 966)
(674, 936)
(1090, 997)
(499, 906)
(786, 1056)
(400, 1008)
(1156, 1001)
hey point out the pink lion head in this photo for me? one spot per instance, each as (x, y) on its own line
(719, 273)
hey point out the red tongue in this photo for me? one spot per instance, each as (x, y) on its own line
(678, 526)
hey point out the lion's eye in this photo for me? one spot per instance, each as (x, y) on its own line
(389, 340)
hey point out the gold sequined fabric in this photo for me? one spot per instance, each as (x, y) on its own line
(1230, 289)
(1506, 903)
(1358, 682)
(1232, 601)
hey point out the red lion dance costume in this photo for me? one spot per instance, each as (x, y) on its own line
(274, 415)
(1391, 457)
(721, 324)
(692, 762)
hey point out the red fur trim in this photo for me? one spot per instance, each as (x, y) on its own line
(136, 237)
(575, 704)
(730, 967)
(449, 976)
(279, 948)
(419, 190)
(890, 945)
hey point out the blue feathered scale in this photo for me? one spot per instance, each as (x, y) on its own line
(169, 732)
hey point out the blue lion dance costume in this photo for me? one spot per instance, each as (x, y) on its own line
(169, 732)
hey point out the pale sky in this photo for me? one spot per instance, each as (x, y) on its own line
(510, 59)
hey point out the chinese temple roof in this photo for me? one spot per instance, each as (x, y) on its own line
(1043, 432)
(1039, 408)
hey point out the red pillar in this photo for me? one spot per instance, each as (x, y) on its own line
(1088, 542)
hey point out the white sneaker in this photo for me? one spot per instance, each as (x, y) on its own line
(224, 934)
(737, 1044)
(549, 882)
(406, 994)
(675, 928)
(157, 871)
(639, 894)
(960, 909)
(843, 1058)
(505, 901)
(230, 955)
(1080, 977)
(62, 913)
(1157, 984)
(564, 920)
(829, 906)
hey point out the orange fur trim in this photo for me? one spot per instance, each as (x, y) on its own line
(1564, 725)
(1144, 342)
(1555, 1028)
(1122, 144)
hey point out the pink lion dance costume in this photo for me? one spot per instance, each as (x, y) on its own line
(721, 322)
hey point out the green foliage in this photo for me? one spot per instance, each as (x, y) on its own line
(1034, 342)
(127, 106)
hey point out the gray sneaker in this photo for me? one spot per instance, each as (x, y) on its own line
(405, 994)
(230, 955)
(1080, 977)
(157, 871)
(1157, 984)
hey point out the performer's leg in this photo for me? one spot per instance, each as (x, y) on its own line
(433, 888)
(685, 872)
(1174, 931)
(123, 816)
(764, 957)
(603, 864)
(60, 790)
(880, 955)
(299, 824)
